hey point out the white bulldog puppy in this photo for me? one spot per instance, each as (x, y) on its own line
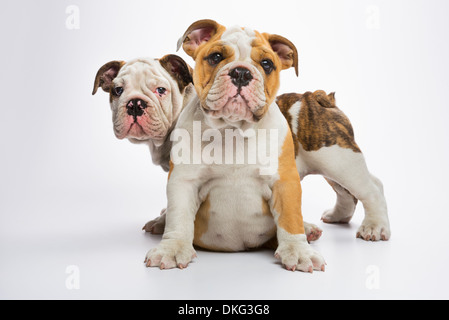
(233, 182)
(146, 97)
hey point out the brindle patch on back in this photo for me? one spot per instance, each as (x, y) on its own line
(320, 122)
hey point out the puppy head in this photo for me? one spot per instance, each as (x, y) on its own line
(146, 95)
(237, 69)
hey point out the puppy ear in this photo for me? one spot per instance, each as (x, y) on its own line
(197, 34)
(285, 50)
(106, 74)
(178, 69)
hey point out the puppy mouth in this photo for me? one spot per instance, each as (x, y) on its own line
(135, 131)
(138, 131)
(130, 128)
(139, 121)
(239, 98)
(235, 109)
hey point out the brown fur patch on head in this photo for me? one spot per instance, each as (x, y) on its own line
(178, 69)
(106, 74)
(199, 33)
(204, 74)
(320, 122)
(261, 50)
(284, 55)
(285, 49)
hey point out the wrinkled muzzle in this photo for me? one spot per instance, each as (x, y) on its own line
(139, 119)
(237, 93)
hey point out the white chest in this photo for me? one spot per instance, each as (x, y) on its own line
(235, 215)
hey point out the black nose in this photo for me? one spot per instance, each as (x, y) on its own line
(135, 108)
(241, 77)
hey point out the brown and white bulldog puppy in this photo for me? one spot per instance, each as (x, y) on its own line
(226, 197)
(325, 145)
(146, 97)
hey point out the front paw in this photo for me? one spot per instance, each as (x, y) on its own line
(156, 226)
(312, 231)
(171, 254)
(299, 255)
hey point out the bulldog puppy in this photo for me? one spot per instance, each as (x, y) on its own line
(146, 97)
(325, 145)
(226, 197)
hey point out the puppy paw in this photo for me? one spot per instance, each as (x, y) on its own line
(374, 231)
(335, 216)
(312, 231)
(299, 255)
(171, 254)
(156, 226)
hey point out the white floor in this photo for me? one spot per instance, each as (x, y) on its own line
(98, 254)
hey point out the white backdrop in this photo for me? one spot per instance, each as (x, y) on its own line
(73, 198)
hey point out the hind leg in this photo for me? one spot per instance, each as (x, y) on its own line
(376, 225)
(348, 169)
(344, 208)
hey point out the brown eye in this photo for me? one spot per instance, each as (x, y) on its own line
(117, 91)
(214, 59)
(161, 91)
(267, 65)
